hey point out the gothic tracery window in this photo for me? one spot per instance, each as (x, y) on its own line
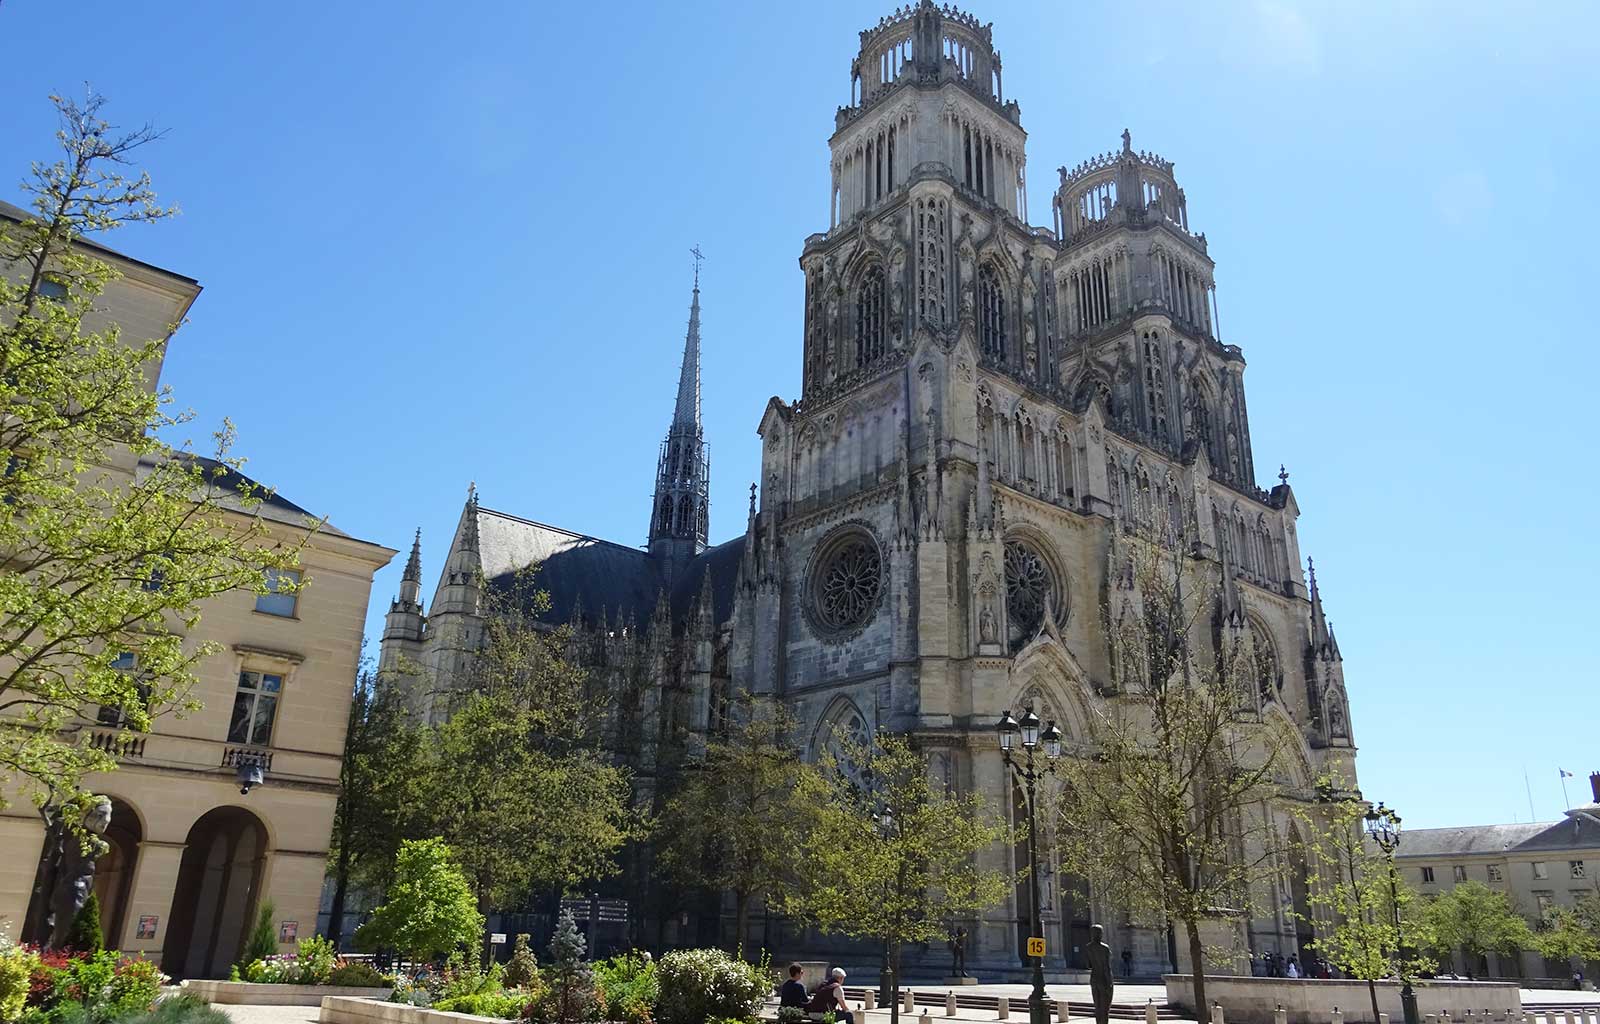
(1155, 385)
(991, 314)
(846, 583)
(869, 317)
(1263, 667)
(847, 740)
(1031, 587)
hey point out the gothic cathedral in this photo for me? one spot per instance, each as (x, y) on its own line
(985, 406)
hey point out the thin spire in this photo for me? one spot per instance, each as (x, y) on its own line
(687, 412)
(413, 573)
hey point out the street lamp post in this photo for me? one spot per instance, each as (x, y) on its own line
(888, 980)
(1383, 825)
(1030, 772)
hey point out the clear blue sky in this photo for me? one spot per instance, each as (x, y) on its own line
(448, 242)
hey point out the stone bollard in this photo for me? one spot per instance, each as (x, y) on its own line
(949, 1004)
(1383, 1018)
(1150, 1015)
(924, 1018)
(1430, 1018)
(1280, 1015)
(1216, 1012)
(1569, 1017)
(1528, 1018)
(1338, 1018)
(870, 1001)
(1063, 1013)
(911, 1002)
(1004, 1008)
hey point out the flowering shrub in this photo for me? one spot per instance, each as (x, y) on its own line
(96, 988)
(313, 962)
(697, 985)
(358, 974)
(16, 970)
(627, 988)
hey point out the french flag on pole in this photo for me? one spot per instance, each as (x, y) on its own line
(1565, 774)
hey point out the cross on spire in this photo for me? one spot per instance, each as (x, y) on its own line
(699, 258)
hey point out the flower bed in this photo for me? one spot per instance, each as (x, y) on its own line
(67, 987)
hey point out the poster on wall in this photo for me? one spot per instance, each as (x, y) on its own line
(288, 931)
(147, 926)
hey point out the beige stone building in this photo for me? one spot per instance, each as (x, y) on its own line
(191, 857)
(986, 405)
(1540, 866)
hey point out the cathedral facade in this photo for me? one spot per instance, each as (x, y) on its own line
(986, 405)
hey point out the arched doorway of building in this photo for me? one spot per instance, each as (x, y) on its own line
(1299, 909)
(214, 903)
(113, 872)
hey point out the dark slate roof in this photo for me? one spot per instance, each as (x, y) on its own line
(273, 505)
(574, 568)
(594, 575)
(1576, 832)
(722, 562)
(1441, 842)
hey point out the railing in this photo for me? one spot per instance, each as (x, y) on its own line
(233, 757)
(117, 744)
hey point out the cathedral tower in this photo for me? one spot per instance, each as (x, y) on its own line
(988, 409)
(680, 510)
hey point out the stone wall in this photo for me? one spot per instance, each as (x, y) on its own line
(248, 993)
(1312, 1000)
(341, 1010)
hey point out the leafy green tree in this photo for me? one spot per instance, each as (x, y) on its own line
(1586, 909)
(377, 789)
(515, 779)
(429, 908)
(1564, 936)
(1351, 881)
(113, 540)
(742, 812)
(1162, 819)
(898, 856)
(1476, 920)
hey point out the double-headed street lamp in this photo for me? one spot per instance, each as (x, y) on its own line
(1383, 825)
(1030, 773)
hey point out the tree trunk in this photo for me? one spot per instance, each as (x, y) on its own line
(741, 921)
(1372, 990)
(1197, 969)
(341, 884)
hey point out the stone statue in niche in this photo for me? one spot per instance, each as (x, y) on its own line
(986, 622)
(74, 873)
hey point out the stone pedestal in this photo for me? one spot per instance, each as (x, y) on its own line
(960, 981)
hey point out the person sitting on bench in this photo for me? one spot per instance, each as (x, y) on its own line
(793, 992)
(829, 997)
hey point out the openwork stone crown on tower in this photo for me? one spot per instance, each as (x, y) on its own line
(929, 43)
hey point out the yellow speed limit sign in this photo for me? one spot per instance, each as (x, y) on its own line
(1036, 946)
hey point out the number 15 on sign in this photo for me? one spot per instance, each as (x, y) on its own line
(1036, 946)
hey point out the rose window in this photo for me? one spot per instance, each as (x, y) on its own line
(1030, 586)
(848, 583)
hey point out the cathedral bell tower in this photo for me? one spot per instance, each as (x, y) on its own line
(680, 514)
